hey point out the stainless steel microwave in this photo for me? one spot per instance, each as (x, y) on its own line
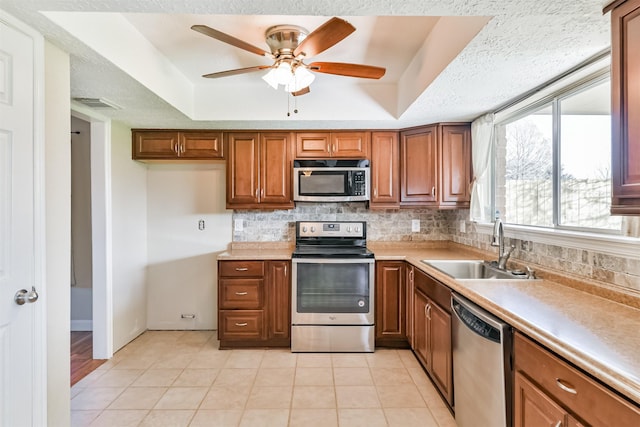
(329, 180)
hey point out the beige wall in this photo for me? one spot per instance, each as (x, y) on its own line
(58, 218)
(81, 203)
(182, 270)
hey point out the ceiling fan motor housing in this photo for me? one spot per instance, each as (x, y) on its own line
(283, 39)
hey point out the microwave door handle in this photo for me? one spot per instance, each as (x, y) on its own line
(350, 182)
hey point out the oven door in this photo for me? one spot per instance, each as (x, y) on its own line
(332, 291)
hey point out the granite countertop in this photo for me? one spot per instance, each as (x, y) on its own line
(597, 334)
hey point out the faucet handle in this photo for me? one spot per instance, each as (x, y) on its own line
(531, 274)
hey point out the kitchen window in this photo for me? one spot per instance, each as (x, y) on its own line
(552, 165)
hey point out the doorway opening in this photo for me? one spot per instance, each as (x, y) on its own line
(90, 284)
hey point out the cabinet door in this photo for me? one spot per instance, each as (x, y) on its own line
(390, 302)
(420, 325)
(155, 145)
(533, 408)
(201, 145)
(418, 166)
(385, 176)
(625, 113)
(275, 169)
(242, 169)
(440, 346)
(313, 145)
(279, 296)
(455, 176)
(353, 145)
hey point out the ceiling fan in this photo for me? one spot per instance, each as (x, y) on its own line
(290, 45)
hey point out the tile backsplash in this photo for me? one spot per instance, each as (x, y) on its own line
(382, 225)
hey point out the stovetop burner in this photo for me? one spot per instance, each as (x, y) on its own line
(336, 239)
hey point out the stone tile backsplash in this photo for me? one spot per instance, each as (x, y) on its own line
(395, 226)
(382, 225)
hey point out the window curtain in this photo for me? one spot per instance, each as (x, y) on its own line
(482, 139)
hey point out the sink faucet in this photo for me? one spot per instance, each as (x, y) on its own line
(498, 240)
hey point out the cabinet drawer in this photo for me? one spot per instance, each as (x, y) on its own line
(581, 395)
(241, 268)
(241, 325)
(435, 290)
(241, 293)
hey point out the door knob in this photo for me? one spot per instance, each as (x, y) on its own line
(24, 296)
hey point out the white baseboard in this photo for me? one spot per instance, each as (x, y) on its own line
(81, 325)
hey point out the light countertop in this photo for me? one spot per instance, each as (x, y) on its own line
(599, 335)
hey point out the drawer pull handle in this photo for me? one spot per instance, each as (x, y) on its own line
(559, 424)
(242, 268)
(242, 293)
(242, 324)
(566, 386)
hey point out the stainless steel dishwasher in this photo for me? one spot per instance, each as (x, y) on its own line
(482, 380)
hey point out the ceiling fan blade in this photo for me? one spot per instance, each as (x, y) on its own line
(302, 91)
(219, 35)
(236, 71)
(350, 70)
(323, 37)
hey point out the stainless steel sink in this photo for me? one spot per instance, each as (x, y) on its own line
(473, 269)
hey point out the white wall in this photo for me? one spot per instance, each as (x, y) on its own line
(129, 239)
(182, 271)
(58, 220)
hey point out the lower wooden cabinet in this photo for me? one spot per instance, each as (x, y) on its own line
(390, 309)
(551, 392)
(431, 335)
(254, 303)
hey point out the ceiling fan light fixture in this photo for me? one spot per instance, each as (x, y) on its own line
(280, 75)
(300, 79)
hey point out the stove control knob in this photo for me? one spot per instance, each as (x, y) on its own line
(357, 229)
(304, 229)
(349, 229)
(313, 229)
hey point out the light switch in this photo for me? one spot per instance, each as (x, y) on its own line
(238, 225)
(415, 225)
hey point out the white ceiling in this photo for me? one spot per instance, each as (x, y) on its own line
(445, 61)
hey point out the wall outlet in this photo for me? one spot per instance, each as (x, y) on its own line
(238, 225)
(415, 225)
(463, 226)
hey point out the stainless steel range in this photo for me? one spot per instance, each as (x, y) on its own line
(332, 288)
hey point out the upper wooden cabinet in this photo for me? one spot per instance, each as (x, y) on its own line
(435, 166)
(259, 170)
(317, 145)
(385, 170)
(625, 108)
(171, 144)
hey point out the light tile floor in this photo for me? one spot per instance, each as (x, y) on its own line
(181, 378)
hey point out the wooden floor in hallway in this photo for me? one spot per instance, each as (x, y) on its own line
(82, 361)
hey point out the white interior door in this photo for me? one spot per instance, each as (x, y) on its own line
(22, 354)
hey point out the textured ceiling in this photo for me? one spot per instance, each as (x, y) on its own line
(520, 45)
